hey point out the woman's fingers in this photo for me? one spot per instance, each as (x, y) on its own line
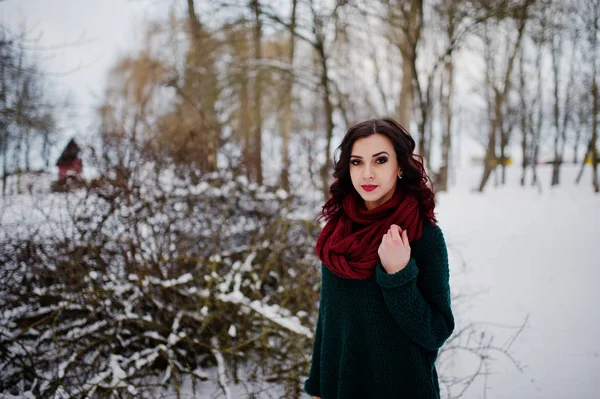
(384, 240)
(405, 239)
(395, 233)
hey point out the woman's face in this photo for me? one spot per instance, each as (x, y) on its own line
(374, 169)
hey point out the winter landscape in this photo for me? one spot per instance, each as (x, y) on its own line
(521, 258)
(163, 165)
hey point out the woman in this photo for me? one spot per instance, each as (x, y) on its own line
(385, 298)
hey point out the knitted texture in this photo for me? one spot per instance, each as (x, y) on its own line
(379, 337)
(348, 243)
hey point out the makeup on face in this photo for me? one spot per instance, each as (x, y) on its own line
(369, 187)
(357, 160)
(373, 169)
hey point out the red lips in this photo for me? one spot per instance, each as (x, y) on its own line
(369, 187)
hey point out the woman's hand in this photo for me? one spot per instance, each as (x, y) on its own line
(394, 250)
(315, 397)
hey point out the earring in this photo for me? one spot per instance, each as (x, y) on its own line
(400, 177)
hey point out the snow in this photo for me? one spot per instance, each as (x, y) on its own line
(154, 335)
(221, 367)
(146, 356)
(232, 331)
(24, 395)
(271, 312)
(64, 365)
(532, 256)
(61, 394)
(517, 255)
(77, 332)
(118, 374)
(281, 194)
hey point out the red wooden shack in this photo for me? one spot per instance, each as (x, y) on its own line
(69, 163)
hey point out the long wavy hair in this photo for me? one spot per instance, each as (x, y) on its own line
(414, 178)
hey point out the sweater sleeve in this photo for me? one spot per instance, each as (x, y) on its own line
(312, 384)
(419, 297)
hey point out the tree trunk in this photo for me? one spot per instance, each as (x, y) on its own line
(446, 98)
(593, 143)
(490, 155)
(202, 87)
(447, 137)
(407, 44)
(4, 159)
(406, 94)
(524, 127)
(245, 125)
(576, 145)
(588, 152)
(319, 46)
(46, 150)
(328, 118)
(3, 121)
(594, 140)
(257, 136)
(424, 129)
(503, 143)
(556, 55)
(499, 98)
(28, 150)
(535, 150)
(536, 127)
(287, 105)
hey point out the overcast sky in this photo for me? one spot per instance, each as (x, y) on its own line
(80, 41)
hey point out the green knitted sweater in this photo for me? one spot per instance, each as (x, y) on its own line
(379, 338)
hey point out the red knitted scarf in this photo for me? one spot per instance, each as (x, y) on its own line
(348, 243)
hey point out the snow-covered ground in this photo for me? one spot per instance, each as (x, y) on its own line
(515, 254)
(523, 254)
(531, 254)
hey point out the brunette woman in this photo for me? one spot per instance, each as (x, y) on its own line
(385, 298)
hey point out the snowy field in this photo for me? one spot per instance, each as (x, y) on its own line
(523, 254)
(527, 253)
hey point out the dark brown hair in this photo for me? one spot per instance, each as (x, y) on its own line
(414, 177)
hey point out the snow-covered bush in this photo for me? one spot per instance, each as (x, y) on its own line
(152, 280)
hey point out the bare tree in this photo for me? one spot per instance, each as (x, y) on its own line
(446, 88)
(287, 104)
(500, 90)
(320, 23)
(27, 118)
(319, 33)
(200, 89)
(536, 121)
(406, 25)
(592, 18)
(578, 123)
(258, 93)
(524, 122)
(561, 111)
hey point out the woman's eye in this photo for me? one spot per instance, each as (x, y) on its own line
(382, 160)
(355, 162)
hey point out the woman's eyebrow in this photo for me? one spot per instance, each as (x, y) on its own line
(373, 156)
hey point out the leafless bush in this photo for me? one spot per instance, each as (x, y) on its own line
(152, 280)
